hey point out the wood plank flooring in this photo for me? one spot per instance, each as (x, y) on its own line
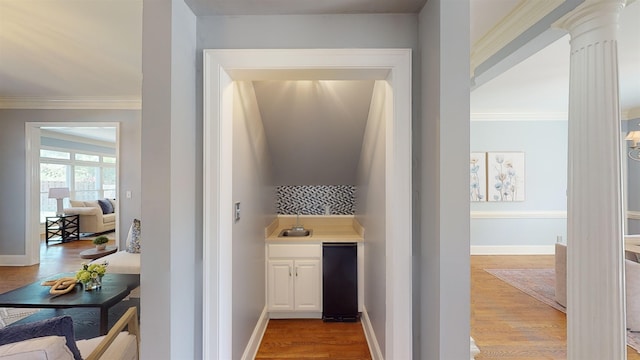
(313, 339)
(505, 323)
(508, 324)
(55, 258)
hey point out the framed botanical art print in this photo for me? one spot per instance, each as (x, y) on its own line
(505, 176)
(478, 177)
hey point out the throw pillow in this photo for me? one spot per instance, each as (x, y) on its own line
(76, 203)
(106, 206)
(57, 326)
(133, 238)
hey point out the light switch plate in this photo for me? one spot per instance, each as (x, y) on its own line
(237, 212)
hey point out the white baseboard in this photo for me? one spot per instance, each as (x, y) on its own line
(374, 348)
(251, 350)
(513, 250)
(294, 315)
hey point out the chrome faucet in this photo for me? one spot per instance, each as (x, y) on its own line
(298, 226)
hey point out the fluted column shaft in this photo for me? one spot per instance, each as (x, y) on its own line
(595, 259)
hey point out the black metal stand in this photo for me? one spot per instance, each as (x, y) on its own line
(63, 228)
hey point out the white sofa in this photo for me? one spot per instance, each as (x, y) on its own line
(632, 286)
(124, 262)
(116, 345)
(92, 218)
(121, 262)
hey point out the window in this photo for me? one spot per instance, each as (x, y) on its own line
(89, 176)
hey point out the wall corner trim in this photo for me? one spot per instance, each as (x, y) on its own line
(251, 350)
(370, 335)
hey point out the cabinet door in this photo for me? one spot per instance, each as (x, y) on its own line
(280, 285)
(307, 285)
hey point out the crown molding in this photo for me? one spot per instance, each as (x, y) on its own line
(520, 116)
(61, 103)
(526, 14)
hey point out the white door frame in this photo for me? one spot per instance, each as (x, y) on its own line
(221, 68)
(32, 186)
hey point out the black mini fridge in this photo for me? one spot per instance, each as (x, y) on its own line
(340, 282)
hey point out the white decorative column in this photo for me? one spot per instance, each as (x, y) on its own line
(595, 261)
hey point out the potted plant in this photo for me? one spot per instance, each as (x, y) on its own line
(101, 242)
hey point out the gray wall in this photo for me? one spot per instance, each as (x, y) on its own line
(545, 146)
(12, 163)
(293, 31)
(252, 187)
(633, 179)
(171, 270)
(442, 286)
(441, 142)
(371, 212)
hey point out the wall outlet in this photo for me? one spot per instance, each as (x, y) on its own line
(327, 210)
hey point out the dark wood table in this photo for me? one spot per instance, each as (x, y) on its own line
(115, 287)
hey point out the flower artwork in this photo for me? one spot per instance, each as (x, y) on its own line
(478, 177)
(505, 172)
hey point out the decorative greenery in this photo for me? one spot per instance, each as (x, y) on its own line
(101, 240)
(91, 271)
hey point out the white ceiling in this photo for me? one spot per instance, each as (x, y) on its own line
(100, 133)
(58, 50)
(91, 49)
(538, 87)
(70, 49)
(86, 49)
(289, 7)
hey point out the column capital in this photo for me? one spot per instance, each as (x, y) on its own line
(592, 21)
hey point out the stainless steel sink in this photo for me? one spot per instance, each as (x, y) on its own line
(295, 233)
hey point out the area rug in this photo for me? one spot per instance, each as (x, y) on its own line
(540, 284)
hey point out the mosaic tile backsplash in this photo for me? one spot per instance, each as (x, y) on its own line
(311, 200)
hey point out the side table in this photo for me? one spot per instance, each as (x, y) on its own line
(94, 253)
(62, 228)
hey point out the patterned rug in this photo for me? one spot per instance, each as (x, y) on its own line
(540, 284)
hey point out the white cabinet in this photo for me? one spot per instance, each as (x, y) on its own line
(280, 285)
(294, 281)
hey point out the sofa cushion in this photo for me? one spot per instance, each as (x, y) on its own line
(45, 348)
(106, 206)
(124, 347)
(133, 238)
(109, 218)
(561, 274)
(58, 326)
(76, 203)
(92, 203)
(121, 262)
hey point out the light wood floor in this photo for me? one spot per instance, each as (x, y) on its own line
(508, 324)
(505, 323)
(313, 339)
